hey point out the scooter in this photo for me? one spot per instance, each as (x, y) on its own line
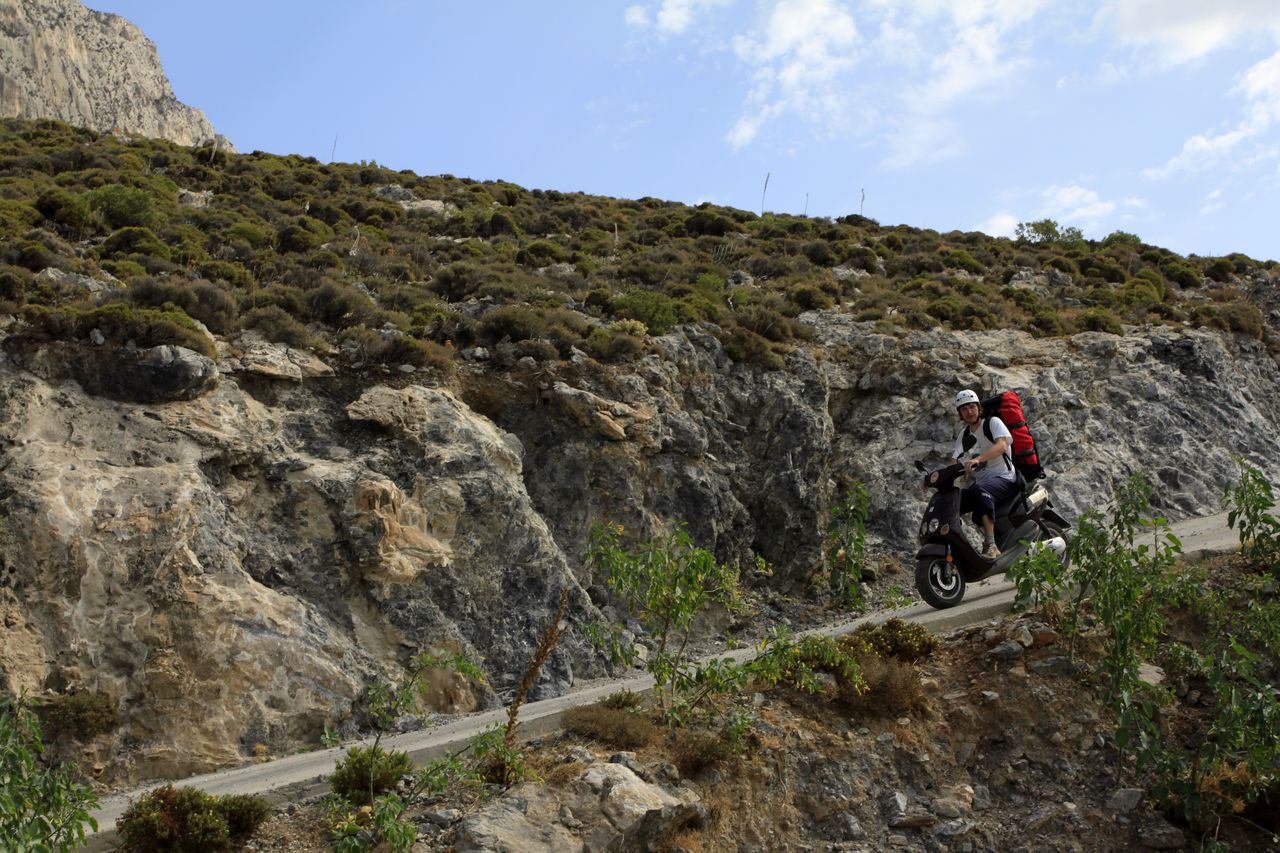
(946, 563)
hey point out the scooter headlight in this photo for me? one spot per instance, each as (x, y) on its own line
(933, 525)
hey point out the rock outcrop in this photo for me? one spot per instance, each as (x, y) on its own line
(232, 564)
(61, 60)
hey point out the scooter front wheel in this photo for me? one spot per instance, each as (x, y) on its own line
(940, 583)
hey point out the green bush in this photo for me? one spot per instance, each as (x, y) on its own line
(123, 207)
(231, 272)
(541, 253)
(120, 323)
(70, 210)
(122, 269)
(14, 283)
(200, 300)
(657, 311)
(962, 260)
(136, 241)
(1100, 320)
(896, 638)
(189, 820)
(1220, 269)
(303, 234)
(249, 233)
(746, 347)
(365, 772)
(1182, 273)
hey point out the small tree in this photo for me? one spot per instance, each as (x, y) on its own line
(847, 544)
(666, 584)
(41, 808)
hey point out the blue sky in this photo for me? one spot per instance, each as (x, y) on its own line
(1158, 117)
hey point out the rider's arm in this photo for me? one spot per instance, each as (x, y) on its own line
(995, 451)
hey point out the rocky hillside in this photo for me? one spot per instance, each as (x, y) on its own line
(62, 61)
(270, 427)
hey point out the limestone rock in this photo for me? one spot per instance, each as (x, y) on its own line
(61, 60)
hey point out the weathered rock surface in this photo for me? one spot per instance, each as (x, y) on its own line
(61, 60)
(607, 807)
(232, 561)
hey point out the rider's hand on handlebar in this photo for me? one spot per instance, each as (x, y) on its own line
(969, 464)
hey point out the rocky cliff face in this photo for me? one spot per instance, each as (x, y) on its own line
(232, 560)
(92, 69)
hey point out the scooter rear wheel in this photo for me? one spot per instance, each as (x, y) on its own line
(940, 583)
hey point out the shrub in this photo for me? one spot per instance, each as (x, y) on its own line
(541, 253)
(338, 305)
(365, 772)
(14, 283)
(1121, 238)
(1241, 317)
(303, 234)
(36, 256)
(962, 260)
(122, 206)
(808, 298)
(189, 820)
(707, 222)
(70, 210)
(1220, 269)
(232, 273)
(120, 323)
(79, 715)
(123, 270)
(1062, 264)
(613, 726)
(898, 639)
(136, 241)
(746, 347)
(200, 300)
(248, 233)
(278, 325)
(693, 751)
(889, 688)
(616, 341)
(40, 808)
(16, 217)
(657, 311)
(1100, 320)
(1182, 273)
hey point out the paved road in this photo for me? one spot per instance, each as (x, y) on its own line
(299, 776)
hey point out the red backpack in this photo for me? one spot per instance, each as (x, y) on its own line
(1007, 407)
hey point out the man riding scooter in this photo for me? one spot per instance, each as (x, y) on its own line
(990, 463)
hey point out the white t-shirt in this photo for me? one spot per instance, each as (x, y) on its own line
(1001, 468)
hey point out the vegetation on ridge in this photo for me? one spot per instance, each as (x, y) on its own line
(394, 267)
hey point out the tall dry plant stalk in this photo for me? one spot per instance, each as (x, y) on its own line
(551, 636)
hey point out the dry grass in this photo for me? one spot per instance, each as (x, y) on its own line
(695, 751)
(892, 689)
(612, 726)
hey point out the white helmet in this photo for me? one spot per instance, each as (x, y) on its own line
(966, 396)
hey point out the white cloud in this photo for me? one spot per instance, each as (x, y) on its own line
(1077, 206)
(1213, 202)
(999, 225)
(976, 51)
(1182, 31)
(799, 53)
(1260, 88)
(637, 17)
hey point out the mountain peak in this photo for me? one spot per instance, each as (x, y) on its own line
(61, 60)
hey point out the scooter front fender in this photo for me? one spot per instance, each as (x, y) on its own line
(932, 549)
